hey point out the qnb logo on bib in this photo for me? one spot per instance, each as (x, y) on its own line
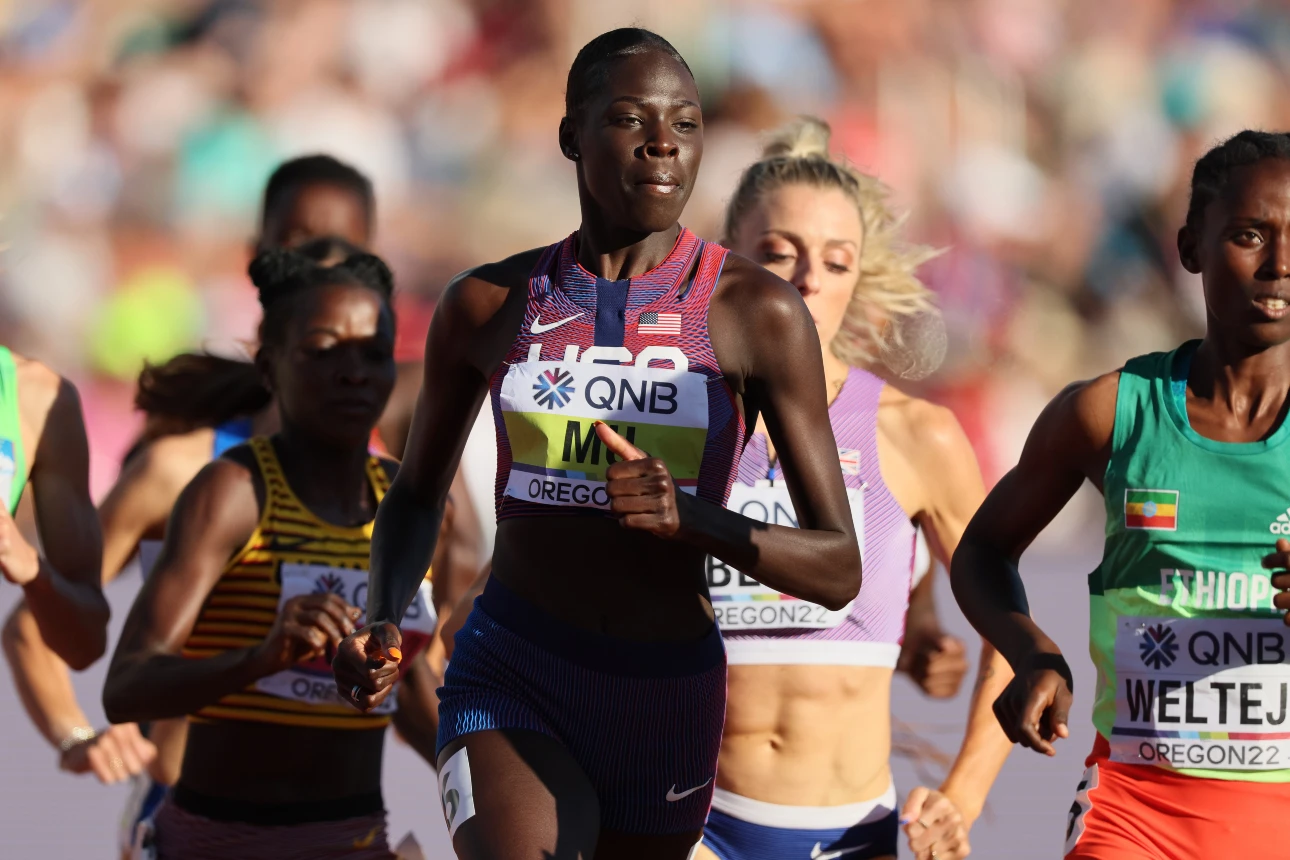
(312, 682)
(739, 602)
(1202, 693)
(553, 388)
(550, 409)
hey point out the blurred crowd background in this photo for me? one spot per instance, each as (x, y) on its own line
(1046, 144)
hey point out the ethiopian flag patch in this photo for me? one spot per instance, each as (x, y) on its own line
(1151, 509)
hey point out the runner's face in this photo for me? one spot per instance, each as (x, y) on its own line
(812, 238)
(639, 142)
(1241, 249)
(317, 210)
(334, 371)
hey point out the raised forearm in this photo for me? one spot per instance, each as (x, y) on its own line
(403, 544)
(41, 677)
(72, 616)
(985, 747)
(818, 565)
(143, 687)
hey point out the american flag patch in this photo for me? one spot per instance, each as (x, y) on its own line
(651, 322)
(849, 459)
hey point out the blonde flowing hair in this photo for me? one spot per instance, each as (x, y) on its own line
(912, 340)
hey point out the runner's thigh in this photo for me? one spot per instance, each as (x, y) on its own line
(530, 799)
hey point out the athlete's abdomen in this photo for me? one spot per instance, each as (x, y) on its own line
(799, 736)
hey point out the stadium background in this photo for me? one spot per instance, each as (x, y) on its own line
(1045, 144)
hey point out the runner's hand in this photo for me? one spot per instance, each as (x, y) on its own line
(935, 661)
(1279, 561)
(1034, 708)
(368, 660)
(640, 487)
(19, 561)
(933, 823)
(305, 628)
(115, 755)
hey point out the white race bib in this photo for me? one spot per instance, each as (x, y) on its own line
(549, 409)
(739, 602)
(312, 682)
(1202, 693)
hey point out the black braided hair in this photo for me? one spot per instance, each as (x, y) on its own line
(293, 175)
(590, 69)
(280, 274)
(1215, 167)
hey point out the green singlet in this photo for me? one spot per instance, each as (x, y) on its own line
(1193, 660)
(13, 462)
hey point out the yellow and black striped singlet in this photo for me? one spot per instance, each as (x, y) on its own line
(240, 610)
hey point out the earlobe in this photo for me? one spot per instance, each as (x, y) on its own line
(567, 137)
(1187, 249)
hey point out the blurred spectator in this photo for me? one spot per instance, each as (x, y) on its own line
(1046, 144)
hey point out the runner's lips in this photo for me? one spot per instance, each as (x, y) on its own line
(660, 183)
(1274, 306)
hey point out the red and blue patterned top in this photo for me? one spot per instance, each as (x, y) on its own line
(634, 354)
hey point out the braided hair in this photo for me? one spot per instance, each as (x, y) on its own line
(198, 389)
(1215, 167)
(281, 275)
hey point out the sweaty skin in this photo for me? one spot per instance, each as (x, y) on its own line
(332, 376)
(645, 121)
(1236, 392)
(821, 735)
(61, 592)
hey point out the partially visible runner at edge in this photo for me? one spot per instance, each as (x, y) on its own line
(804, 760)
(43, 446)
(196, 407)
(256, 585)
(1187, 624)
(581, 713)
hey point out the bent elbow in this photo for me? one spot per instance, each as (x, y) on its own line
(847, 584)
(117, 703)
(87, 648)
(86, 654)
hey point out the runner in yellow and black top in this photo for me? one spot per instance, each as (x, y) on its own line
(261, 575)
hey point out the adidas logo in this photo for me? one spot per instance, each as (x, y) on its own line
(1281, 526)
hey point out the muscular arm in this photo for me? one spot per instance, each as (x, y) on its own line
(408, 522)
(148, 678)
(947, 468)
(764, 322)
(138, 503)
(65, 597)
(1069, 442)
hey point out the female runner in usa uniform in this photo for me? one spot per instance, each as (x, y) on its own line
(581, 713)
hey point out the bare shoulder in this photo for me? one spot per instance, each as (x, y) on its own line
(42, 390)
(222, 496)
(166, 464)
(1085, 409)
(759, 297)
(477, 294)
(921, 425)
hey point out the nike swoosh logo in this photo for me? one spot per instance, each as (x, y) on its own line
(538, 328)
(817, 854)
(673, 796)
